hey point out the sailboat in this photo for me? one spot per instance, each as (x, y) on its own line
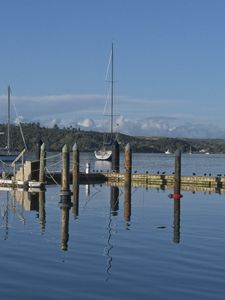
(104, 153)
(6, 154)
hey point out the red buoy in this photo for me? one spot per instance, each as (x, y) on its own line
(175, 196)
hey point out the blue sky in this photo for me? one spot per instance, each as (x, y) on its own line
(169, 62)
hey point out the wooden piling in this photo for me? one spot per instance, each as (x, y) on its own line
(65, 178)
(177, 195)
(116, 156)
(42, 164)
(76, 163)
(127, 165)
(177, 174)
(38, 149)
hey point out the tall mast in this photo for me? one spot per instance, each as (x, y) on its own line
(8, 133)
(112, 92)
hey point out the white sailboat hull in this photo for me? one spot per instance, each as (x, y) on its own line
(103, 154)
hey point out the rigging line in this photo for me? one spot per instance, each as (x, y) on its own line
(55, 155)
(21, 131)
(106, 103)
(109, 62)
(4, 163)
(52, 176)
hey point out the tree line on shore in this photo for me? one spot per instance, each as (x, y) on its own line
(87, 141)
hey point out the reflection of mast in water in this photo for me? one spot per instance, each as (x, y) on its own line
(65, 205)
(6, 216)
(114, 191)
(109, 246)
(42, 213)
(114, 206)
(176, 221)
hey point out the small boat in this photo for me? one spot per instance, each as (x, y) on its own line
(104, 153)
(167, 151)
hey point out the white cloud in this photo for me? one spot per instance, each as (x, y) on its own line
(86, 111)
(86, 123)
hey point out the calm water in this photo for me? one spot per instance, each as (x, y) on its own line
(157, 248)
(152, 162)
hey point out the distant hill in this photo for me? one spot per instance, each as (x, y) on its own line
(56, 137)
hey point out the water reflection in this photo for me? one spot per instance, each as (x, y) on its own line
(127, 204)
(114, 200)
(36, 201)
(176, 221)
(65, 205)
(114, 207)
(109, 246)
(41, 210)
(75, 200)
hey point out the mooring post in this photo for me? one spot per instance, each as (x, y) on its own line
(177, 196)
(42, 164)
(65, 194)
(65, 180)
(177, 174)
(38, 149)
(116, 156)
(128, 165)
(127, 182)
(76, 162)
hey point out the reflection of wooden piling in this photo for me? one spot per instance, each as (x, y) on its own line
(114, 200)
(65, 180)
(42, 164)
(127, 203)
(75, 207)
(176, 221)
(116, 156)
(76, 162)
(177, 174)
(42, 214)
(127, 165)
(65, 228)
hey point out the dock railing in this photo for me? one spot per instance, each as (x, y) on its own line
(13, 164)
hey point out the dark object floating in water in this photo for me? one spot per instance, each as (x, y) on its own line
(161, 227)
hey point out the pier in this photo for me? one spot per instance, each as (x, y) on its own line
(35, 175)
